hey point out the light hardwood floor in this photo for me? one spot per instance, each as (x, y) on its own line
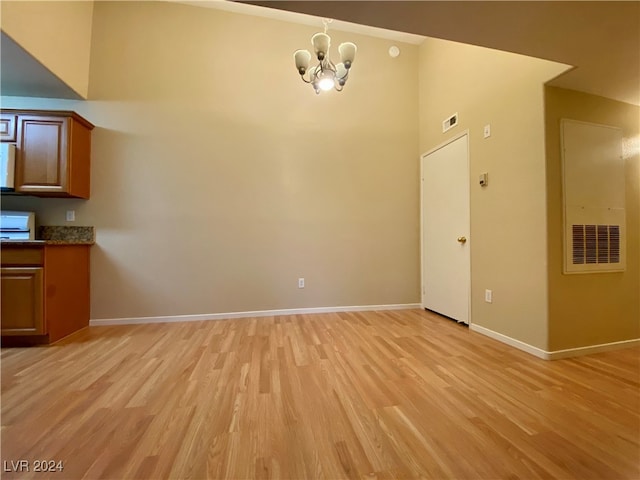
(398, 394)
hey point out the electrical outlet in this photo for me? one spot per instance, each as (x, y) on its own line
(488, 296)
(301, 283)
(71, 215)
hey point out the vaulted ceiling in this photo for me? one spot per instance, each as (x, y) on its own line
(600, 38)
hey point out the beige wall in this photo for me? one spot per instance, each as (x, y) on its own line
(591, 309)
(508, 217)
(57, 34)
(219, 178)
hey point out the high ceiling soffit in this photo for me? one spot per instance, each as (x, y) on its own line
(24, 76)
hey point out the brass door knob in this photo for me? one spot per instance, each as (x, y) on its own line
(462, 239)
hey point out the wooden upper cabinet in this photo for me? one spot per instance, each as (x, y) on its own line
(53, 153)
(44, 155)
(8, 127)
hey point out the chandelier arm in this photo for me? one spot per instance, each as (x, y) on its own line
(331, 66)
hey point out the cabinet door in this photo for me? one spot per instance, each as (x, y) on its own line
(8, 127)
(22, 310)
(42, 156)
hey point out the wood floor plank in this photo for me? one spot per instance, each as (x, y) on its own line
(353, 395)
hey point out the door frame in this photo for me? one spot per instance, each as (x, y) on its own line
(422, 159)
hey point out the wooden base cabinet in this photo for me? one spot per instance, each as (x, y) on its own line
(45, 293)
(22, 299)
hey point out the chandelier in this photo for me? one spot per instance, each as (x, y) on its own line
(326, 75)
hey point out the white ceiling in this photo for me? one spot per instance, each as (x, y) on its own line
(600, 38)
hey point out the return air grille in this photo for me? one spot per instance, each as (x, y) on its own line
(594, 199)
(595, 244)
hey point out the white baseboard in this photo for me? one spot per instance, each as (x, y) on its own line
(588, 350)
(557, 354)
(525, 347)
(259, 313)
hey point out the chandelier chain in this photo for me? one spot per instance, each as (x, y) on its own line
(326, 22)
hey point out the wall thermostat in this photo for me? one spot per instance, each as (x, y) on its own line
(484, 179)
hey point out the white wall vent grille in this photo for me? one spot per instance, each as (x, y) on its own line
(595, 244)
(593, 198)
(450, 122)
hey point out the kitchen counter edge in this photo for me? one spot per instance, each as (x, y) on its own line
(39, 243)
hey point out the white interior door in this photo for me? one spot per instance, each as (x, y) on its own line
(446, 267)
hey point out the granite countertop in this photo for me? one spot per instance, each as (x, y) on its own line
(58, 235)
